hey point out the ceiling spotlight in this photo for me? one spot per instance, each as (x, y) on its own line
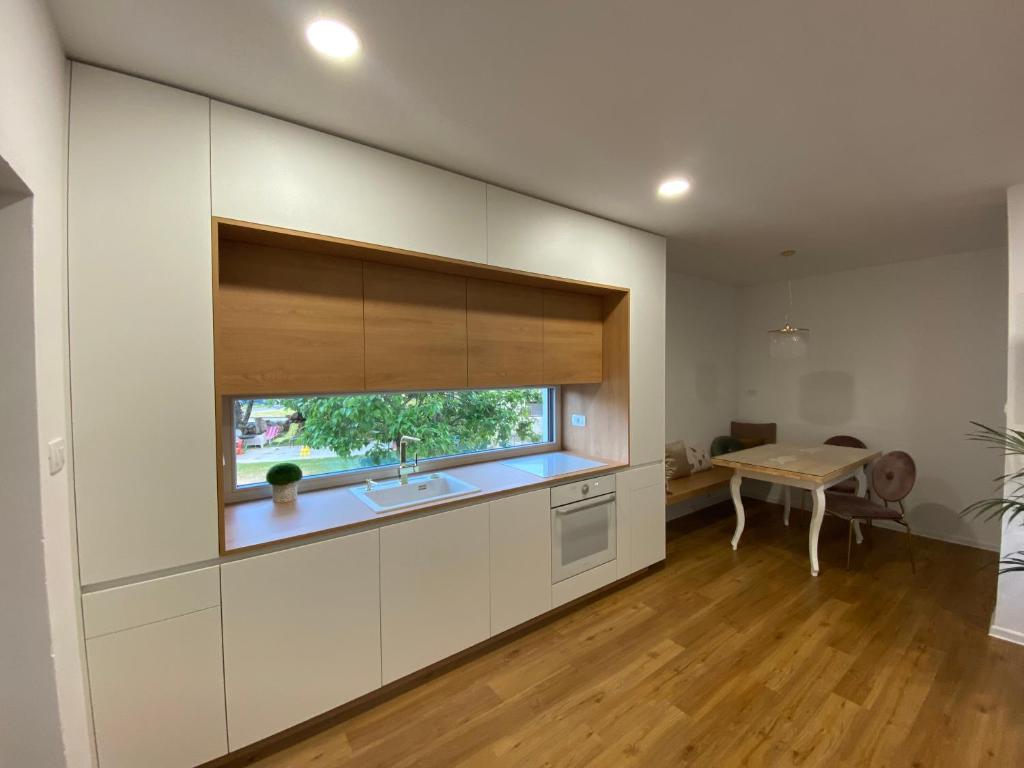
(332, 38)
(673, 187)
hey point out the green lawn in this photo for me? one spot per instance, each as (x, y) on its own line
(256, 472)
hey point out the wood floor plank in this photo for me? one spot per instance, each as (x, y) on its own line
(724, 658)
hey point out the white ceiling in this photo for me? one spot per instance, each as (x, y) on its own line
(855, 132)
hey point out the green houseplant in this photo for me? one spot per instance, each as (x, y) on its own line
(1010, 442)
(284, 479)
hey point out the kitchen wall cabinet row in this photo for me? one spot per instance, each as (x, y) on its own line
(149, 166)
(288, 635)
(293, 322)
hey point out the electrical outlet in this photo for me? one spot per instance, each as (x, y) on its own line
(55, 454)
(579, 420)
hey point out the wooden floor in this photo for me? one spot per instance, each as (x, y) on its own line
(728, 659)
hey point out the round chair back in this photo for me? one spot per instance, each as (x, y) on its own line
(893, 476)
(845, 441)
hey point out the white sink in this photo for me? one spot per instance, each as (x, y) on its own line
(392, 494)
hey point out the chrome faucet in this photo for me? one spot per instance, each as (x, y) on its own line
(405, 468)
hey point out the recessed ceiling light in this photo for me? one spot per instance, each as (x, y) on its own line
(332, 38)
(673, 187)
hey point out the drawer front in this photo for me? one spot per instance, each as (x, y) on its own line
(120, 608)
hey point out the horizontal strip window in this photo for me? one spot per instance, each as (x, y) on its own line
(342, 439)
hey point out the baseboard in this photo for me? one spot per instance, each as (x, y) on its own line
(1009, 635)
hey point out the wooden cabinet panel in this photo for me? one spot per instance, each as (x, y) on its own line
(505, 326)
(415, 329)
(140, 313)
(269, 171)
(572, 338)
(434, 588)
(158, 693)
(301, 633)
(287, 322)
(520, 559)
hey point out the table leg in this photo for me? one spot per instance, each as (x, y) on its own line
(817, 513)
(786, 504)
(862, 489)
(737, 502)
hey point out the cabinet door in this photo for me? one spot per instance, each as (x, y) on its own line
(301, 633)
(505, 325)
(269, 171)
(641, 504)
(520, 559)
(287, 322)
(140, 304)
(434, 588)
(415, 329)
(573, 335)
(158, 693)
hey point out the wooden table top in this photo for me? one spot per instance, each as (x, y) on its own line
(812, 463)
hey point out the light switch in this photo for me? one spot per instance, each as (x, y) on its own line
(56, 455)
(579, 420)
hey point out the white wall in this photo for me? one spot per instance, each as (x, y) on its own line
(903, 356)
(700, 359)
(1008, 621)
(29, 717)
(33, 126)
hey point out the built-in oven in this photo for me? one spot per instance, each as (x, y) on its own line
(582, 526)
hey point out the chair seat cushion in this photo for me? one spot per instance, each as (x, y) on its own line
(849, 507)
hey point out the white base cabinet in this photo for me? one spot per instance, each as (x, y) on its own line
(158, 693)
(641, 511)
(434, 588)
(301, 633)
(520, 559)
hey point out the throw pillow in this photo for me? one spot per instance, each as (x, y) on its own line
(676, 462)
(699, 461)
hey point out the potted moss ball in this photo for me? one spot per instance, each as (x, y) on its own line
(284, 478)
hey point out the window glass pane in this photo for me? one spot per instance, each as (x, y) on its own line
(325, 434)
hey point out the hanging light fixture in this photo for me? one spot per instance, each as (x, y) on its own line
(787, 342)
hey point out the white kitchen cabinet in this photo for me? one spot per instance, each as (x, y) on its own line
(641, 510)
(158, 693)
(520, 559)
(269, 171)
(141, 344)
(301, 633)
(434, 588)
(528, 234)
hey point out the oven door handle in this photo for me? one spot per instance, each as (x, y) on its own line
(579, 506)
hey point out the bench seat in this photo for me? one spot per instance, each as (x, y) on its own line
(697, 484)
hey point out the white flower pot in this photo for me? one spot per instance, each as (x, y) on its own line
(285, 494)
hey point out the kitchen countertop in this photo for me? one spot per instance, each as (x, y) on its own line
(260, 522)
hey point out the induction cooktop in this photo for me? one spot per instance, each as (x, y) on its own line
(552, 464)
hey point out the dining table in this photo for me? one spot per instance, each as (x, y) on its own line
(814, 468)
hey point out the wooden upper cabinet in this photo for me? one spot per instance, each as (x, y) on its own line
(287, 322)
(415, 329)
(505, 324)
(573, 338)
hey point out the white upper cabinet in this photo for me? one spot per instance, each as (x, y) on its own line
(268, 171)
(301, 633)
(529, 234)
(434, 588)
(647, 349)
(140, 306)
